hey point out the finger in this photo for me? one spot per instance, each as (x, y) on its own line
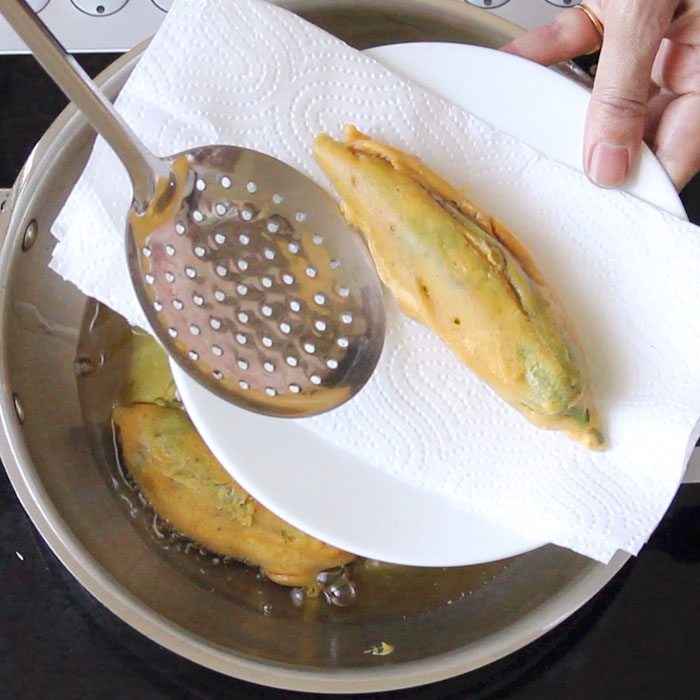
(655, 109)
(617, 111)
(677, 67)
(570, 34)
(686, 25)
(677, 140)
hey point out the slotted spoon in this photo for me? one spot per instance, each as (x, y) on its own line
(245, 268)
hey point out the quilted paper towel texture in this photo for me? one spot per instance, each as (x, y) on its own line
(254, 75)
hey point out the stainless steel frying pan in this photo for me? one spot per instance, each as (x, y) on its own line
(65, 482)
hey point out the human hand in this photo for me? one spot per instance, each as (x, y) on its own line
(647, 84)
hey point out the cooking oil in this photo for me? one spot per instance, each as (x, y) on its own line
(364, 590)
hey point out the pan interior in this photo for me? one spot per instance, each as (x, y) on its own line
(71, 471)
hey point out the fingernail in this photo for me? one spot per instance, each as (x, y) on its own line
(608, 165)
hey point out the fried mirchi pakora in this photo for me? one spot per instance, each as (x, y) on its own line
(187, 486)
(455, 269)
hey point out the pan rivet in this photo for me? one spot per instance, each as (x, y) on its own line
(19, 410)
(30, 235)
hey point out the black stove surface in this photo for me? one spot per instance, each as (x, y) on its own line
(636, 639)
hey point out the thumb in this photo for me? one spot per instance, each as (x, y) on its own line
(618, 106)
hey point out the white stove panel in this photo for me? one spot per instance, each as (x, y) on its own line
(117, 25)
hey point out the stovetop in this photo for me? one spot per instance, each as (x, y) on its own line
(635, 639)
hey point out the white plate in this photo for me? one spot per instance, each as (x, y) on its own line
(331, 494)
(532, 103)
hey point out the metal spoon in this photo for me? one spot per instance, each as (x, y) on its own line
(245, 268)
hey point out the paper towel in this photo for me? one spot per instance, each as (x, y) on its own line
(250, 74)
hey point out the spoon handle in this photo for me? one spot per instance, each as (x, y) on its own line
(143, 167)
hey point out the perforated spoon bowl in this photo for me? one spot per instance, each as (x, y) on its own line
(245, 268)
